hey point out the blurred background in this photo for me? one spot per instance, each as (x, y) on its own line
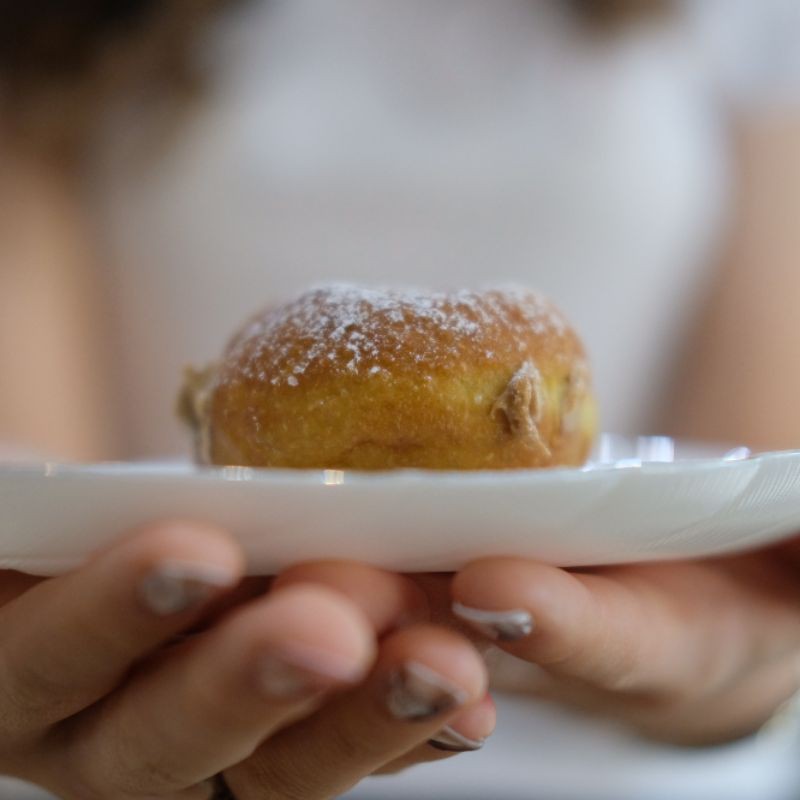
(170, 167)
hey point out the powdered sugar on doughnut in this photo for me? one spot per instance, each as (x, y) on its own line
(367, 332)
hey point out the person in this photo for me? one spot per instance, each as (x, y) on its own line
(637, 161)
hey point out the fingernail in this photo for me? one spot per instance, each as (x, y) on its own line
(503, 626)
(417, 693)
(176, 586)
(452, 741)
(299, 671)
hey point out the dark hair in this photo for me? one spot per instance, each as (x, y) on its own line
(611, 15)
(61, 59)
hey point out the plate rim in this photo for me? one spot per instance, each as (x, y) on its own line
(186, 470)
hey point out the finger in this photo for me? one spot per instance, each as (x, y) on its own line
(577, 626)
(389, 600)
(68, 641)
(466, 732)
(724, 717)
(635, 629)
(211, 703)
(424, 677)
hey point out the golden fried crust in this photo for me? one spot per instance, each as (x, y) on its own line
(346, 377)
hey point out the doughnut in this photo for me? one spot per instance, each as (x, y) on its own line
(349, 377)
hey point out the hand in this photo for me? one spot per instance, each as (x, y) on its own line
(353, 736)
(103, 695)
(692, 653)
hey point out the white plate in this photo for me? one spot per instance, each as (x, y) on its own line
(633, 502)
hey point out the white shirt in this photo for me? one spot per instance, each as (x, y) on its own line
(423, 141)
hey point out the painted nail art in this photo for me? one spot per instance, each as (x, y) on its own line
(503, 626)
(417, 693)
(176, 586)
(304, 671)
(454, 742)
